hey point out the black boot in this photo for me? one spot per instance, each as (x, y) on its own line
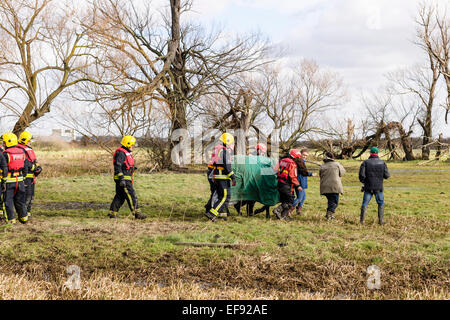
(258, 211)
(139, 215)
(381, 215)
(237, 206)
(211, 216)
(112, 214)
(363, 214)
(278, 210)
(329, 215)
(286, 214)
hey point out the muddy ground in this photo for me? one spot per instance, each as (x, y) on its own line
(266, 274)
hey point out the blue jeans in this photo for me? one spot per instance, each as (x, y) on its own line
(379, 196)
(301, 196)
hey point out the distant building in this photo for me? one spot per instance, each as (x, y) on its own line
(67, 135)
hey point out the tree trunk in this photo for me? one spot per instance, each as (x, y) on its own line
(177, 88)
(439, 148)
(406, 143)
(426, 140)
(390, 144)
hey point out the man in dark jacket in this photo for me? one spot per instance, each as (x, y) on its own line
(371, 174)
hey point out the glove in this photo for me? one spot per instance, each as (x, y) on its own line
(37, 171)
(122, 183)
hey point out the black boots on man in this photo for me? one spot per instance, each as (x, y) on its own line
(381, 215)
(329, 215)
(363, 215)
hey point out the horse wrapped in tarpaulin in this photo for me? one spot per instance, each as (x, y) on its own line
(256, 180)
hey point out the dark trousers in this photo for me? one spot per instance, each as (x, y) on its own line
(29, 191)
(124, 194)
(286, 196)
(212, 189)
(250, 206)
(219, 205)
(14, 198)
(333, 201)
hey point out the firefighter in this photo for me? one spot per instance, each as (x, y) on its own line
(124, 169)
(287, 183)
(34, 169)
(222, 174)
(13, 186)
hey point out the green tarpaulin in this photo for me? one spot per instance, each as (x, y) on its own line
(255, 180)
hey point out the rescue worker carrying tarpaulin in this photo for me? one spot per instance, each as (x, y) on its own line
(34, 169)
(287, 182)
(13, 186)
(221, 174)
(124, 169)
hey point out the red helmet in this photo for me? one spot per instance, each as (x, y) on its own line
(295, 153)
(261, 146)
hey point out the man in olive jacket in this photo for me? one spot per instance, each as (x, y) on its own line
(330, 174)
(371, 174)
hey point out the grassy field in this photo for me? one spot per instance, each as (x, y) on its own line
(308, 258)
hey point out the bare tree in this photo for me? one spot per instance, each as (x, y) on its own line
(133, 56)
(433, 36)
(163, 60)
(394, 118)
(42, 53)
(294, 102)
(421, 82)
(234, 108)
(342, 139)
(208, 63)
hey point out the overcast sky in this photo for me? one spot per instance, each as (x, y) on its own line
(360, 39)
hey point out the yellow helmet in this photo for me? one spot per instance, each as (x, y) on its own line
(128, 141)
(10, 139)
(227, 138)
(25, 137)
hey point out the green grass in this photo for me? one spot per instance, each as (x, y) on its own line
(69, 226)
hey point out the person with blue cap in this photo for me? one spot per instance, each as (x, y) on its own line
(371, 174)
